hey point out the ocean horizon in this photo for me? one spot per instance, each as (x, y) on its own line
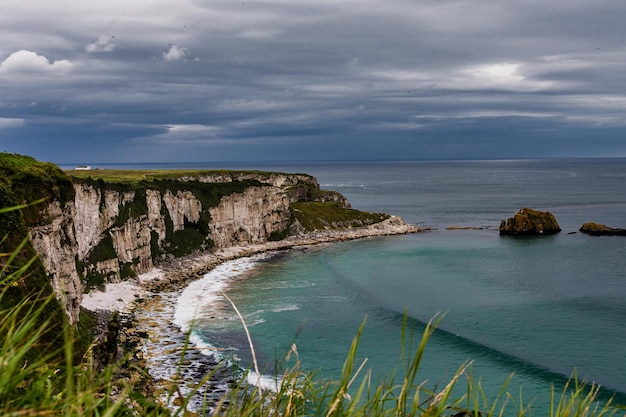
(251, 164)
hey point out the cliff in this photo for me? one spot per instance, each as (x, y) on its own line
(108, 226)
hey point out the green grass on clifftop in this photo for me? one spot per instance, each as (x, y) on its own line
(24, 180)
(139, 175)
(329, 215)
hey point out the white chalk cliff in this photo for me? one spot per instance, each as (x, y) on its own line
(97, 234)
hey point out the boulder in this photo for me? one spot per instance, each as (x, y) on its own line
(597, 229)
(530, 222)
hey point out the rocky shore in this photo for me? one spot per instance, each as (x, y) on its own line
(172, 275)
(147, 304)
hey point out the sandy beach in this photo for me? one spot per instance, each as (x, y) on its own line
(120, 296)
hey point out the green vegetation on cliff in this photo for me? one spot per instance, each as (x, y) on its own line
(209, 194)
(23, 181)
(133, 176)
(330, 215)
(26, 183)
(195, 235)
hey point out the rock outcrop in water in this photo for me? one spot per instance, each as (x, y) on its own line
(530, 222)
(597, 229)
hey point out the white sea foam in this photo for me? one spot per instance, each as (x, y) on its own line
(255, 322)
(265, 382)
(203, 297)
(290, 307)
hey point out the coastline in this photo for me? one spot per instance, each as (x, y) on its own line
(437, 212)
(149, 300)
(171, 276)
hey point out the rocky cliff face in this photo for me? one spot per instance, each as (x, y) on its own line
(249, 217)
(110, 232)
(58, 249)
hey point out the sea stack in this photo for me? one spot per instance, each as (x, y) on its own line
(530, 222)
(597, 229)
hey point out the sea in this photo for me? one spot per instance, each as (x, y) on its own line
(528, 313)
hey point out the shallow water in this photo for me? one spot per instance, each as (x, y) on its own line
(539, 307)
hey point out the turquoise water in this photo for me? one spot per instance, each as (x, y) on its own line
(538, 307)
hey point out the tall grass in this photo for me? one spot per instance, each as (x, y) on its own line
(49, 383)
(54, 383)
(38, 378)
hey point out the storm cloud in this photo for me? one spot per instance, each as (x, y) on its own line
(216, 80)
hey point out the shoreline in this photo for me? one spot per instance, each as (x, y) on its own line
(171, 276)
(149, 300)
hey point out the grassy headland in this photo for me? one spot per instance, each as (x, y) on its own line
(328, 215)
(137, 175)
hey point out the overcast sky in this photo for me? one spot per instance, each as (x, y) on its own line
(86, 81)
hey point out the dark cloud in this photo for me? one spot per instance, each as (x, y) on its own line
(165, 80)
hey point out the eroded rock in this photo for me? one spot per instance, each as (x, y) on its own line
(530, 222)
(598, 229)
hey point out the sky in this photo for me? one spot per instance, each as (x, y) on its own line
(87, 81)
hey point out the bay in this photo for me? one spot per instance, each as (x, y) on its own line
(539, 307)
